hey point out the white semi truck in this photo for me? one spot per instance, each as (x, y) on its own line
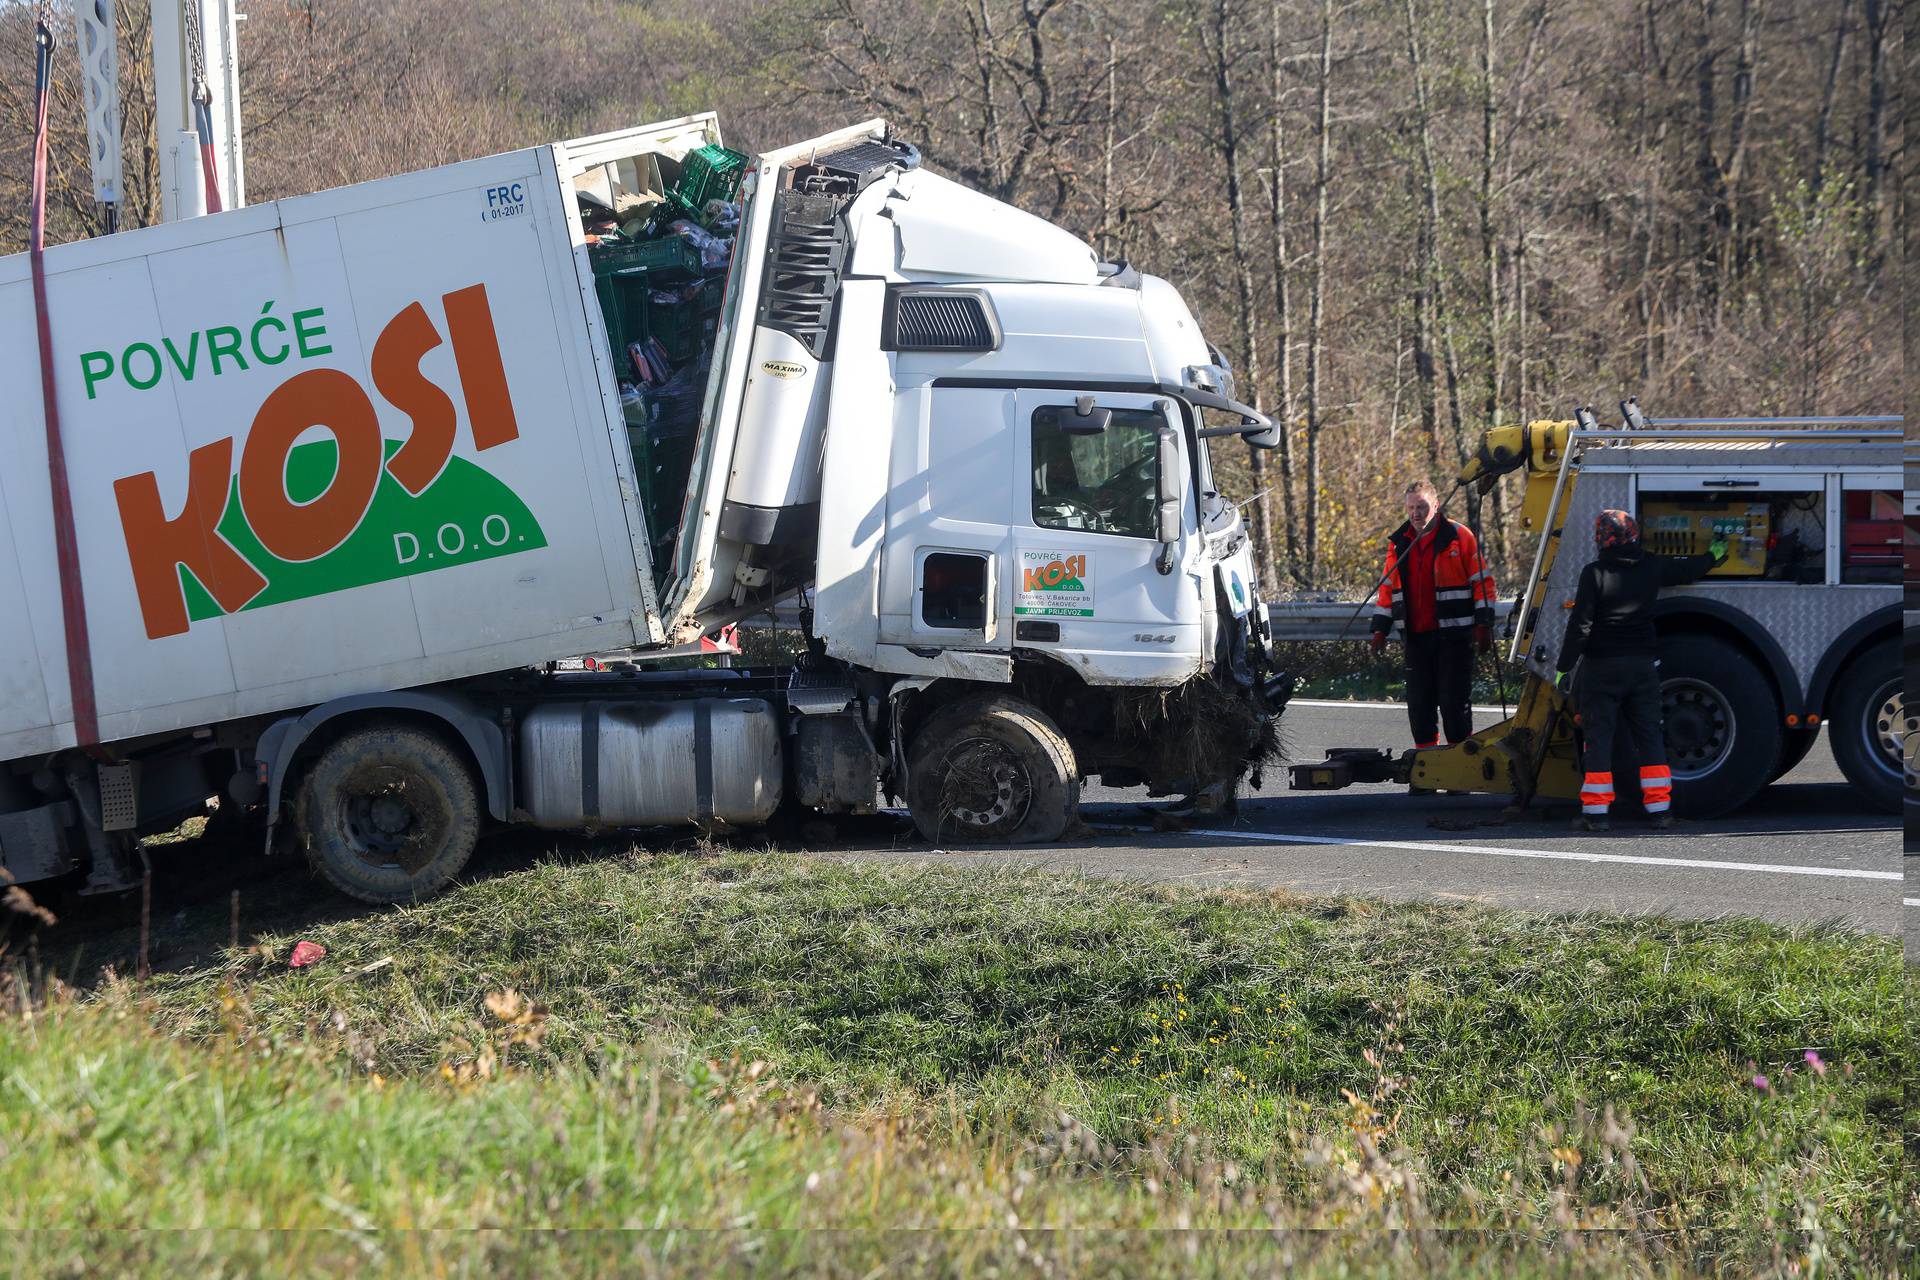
(349, 472)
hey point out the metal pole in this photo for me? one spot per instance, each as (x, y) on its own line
(100, 76)
(182, 194)
(220, 28)
(1853, 420)
(1548, 531)
(1738, 434)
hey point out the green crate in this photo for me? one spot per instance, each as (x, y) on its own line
(708, 173)
(662, 461)
(623, 277)
(682, 327)
(669, 257)
(623, 305)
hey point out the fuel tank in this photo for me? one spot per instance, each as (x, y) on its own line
(651, 763)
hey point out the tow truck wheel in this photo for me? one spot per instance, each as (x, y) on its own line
(388, 814)
(992, 769)
(1872, 726)
(1722, 725)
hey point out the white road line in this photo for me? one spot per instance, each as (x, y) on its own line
(1696, 864)
(1911, 902)
(1401, 707)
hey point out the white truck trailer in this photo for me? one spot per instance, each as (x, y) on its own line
(348, 472)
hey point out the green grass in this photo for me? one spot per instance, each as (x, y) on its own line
(1124, 1056)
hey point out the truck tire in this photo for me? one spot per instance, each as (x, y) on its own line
(1795, 745)
(1722, 724)
(992, 769)
(1872, 726)
(388, 813)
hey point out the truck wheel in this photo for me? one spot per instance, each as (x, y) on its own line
(388, 814)
(1794, 746)
(1722, 725)
(1872, 726)
(992, 769)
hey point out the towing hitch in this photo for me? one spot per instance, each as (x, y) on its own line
(1343, 767)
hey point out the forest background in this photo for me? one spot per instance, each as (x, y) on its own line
(1403, 220)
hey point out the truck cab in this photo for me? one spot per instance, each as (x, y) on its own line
(959, 431)
(978, 455)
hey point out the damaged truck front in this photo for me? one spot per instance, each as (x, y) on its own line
(639, 387)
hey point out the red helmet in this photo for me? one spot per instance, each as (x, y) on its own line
(1614, 529)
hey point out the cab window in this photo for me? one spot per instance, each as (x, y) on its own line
(1101, 483)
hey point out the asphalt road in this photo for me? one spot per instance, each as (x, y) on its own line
(1806, 851)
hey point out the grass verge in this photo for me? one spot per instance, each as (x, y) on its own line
(984, 1055)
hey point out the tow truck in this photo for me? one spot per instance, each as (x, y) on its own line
(1798, 630)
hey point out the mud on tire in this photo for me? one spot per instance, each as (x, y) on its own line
(992, 769)
(388, 813)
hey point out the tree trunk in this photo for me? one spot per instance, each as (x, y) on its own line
(1222, 23)
(1489, 253)
(1823, 127)
(1878, 14)
(1425, 367)
(1709, 196)
(1436, 276)
(987, 136)
(1732, 250)
(1317, 310)
(1284, 407)
(1106, 159)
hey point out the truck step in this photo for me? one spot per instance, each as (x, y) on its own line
(819, 693)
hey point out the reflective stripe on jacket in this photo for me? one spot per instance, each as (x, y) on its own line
(1462, 586)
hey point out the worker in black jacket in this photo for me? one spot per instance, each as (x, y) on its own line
(1611, 627)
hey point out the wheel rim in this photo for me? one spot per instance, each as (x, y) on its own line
(385, 824)
(1699, 727)
(986, 789)
(1889, 725)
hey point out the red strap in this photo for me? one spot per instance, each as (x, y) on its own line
(209, 170)
(73, 601)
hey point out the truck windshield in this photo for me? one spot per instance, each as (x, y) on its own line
(1101, 483)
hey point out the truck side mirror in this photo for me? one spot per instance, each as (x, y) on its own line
(1166, 509)
(1268, 439)
(1087, 418)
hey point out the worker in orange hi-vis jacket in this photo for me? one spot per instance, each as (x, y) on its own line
(1612, 641)
(1439, 592)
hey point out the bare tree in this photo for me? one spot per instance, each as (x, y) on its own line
(1217, 30)
(1279, 160)
(1317, 306)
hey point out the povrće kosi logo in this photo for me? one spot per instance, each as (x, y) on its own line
(300, 520)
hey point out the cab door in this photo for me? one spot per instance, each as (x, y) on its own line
(1089, 579)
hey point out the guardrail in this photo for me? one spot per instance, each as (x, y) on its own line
(1325, 619)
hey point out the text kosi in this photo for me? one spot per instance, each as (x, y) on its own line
(300, 519)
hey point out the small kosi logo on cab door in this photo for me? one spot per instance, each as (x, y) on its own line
(1056, 584)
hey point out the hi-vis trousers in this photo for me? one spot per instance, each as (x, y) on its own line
(1611, 695)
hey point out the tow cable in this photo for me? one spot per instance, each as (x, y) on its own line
(202, 106)
(73, 603)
